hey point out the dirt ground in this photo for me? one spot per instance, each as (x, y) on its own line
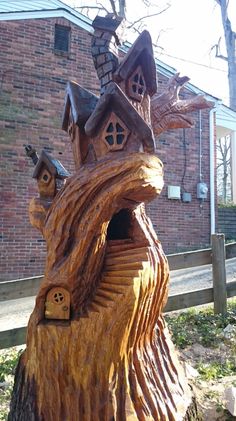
(209, 394)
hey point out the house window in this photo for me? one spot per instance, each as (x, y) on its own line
(115, 133)
(136, 85)
(62, 38)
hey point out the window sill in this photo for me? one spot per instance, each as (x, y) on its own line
(62, 53)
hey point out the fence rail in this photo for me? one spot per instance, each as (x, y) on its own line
(27, 287)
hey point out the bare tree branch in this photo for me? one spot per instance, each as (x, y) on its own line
(147, 16)
(113, 6)
(218, 54)
(85, 7)
(122, 10)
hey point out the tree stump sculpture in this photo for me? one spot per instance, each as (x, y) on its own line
(97, 345)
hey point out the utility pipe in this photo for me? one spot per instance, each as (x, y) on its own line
(212, 168)
(200, 145)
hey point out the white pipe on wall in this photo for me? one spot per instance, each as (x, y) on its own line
(212, 168)
(233, 165)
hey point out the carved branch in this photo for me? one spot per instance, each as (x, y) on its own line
(169, 112)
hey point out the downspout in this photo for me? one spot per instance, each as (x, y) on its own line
(212, 168)
(200, 145)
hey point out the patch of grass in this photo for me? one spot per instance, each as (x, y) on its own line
(8, 362)
(216, 369)
(200, 326)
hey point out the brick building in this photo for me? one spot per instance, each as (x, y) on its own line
(43, 45)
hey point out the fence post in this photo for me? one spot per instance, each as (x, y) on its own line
(219, 273)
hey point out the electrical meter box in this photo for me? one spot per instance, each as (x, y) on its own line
(202, 190)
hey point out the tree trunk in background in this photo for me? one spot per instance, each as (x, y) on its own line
(230, 37)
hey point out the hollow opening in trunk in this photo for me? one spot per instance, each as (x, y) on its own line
(120, 226)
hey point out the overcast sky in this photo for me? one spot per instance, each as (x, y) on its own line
(186, 33)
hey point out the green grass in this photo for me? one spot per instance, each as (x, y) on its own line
(203, 327)
(200, 326)
(8, 362)
(216, 369)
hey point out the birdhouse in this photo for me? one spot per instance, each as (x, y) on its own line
(57, 305)
(47, 171)
(79, 104)
(136, 75)
(115, 125)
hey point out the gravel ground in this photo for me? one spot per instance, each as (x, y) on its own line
(15, 313)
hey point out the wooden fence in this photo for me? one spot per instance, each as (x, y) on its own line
(218, 294)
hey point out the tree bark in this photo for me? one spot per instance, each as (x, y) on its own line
(230, 38)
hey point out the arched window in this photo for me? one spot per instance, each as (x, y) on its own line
(136, 85)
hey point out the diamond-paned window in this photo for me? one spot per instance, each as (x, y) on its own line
(136, 85)
(115, 133)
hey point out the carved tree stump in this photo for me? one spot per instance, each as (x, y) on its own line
(97, 345)
(113, 359)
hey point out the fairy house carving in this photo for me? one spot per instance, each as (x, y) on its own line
(115, 125)
(79, 104)
(47, 171)
(96, 339)
(136, 75)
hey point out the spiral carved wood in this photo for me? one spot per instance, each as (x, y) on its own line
(97, 345)
(113, 359)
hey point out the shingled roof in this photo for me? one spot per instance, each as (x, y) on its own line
(54, 166)
(82, 103)
(141, 52)
(115, 100)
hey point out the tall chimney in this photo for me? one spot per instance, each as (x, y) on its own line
(105, 42)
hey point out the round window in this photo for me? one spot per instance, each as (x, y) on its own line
(58, 297)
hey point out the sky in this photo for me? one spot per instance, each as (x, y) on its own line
(185, 35)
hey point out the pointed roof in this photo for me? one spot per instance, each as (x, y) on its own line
(141, 52)
(54, 166)
(82, 103)
(115, 100)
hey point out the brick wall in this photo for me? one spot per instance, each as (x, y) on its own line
(183, 226)
(32, 85)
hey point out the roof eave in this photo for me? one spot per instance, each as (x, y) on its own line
(75, 18)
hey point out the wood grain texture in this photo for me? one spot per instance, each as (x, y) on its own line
(97, 345)
(170, 112)
(114, 357)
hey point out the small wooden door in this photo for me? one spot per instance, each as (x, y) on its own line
(57, 305)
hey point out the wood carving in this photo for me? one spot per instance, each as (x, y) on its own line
(97, 345)
(169, 112)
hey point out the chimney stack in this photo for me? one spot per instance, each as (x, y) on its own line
(105, 42)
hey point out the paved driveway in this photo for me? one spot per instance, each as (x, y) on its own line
(15, 313)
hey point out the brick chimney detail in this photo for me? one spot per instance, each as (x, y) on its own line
(105, 42)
